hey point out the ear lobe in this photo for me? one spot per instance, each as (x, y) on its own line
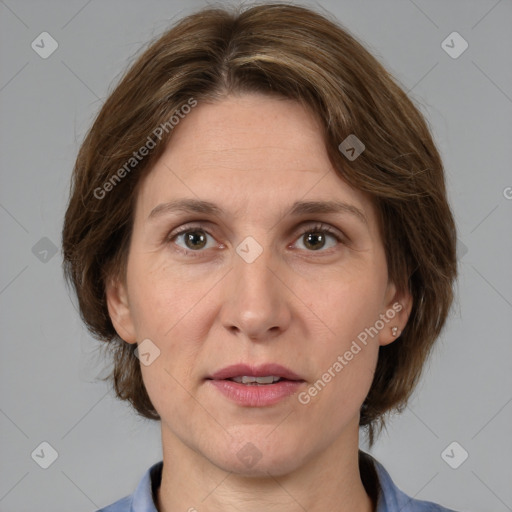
(397, 315)
(119, 310)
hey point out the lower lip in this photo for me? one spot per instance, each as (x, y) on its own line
(254, 395)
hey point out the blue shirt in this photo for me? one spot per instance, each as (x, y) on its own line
(388, 497)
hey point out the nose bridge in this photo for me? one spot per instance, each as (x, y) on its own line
(256, 301)
(252, 269)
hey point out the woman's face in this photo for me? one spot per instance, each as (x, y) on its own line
(253, 279)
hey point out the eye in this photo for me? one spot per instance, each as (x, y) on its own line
(192, 238)
(317, 238)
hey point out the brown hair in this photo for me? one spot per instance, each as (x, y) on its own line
(291, 52)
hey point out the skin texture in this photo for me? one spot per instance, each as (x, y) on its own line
(299, 304)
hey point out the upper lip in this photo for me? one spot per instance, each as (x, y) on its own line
(264, 370)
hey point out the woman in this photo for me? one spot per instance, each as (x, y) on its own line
(258, 227)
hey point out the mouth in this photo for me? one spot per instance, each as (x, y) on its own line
(256, 381)
(263, 375)
(256, 386)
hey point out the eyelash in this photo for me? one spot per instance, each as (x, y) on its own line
(318, 228)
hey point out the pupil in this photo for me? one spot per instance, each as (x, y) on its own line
(195, 240)
(312, 237)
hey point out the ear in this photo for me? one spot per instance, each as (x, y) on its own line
(398, 306)
(119, 310)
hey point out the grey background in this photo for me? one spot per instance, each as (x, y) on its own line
(48, 361)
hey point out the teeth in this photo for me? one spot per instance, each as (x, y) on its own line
(256, 380)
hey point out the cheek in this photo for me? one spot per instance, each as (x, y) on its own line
(346, 301)
(168, 307)
(348, 305)
(344, 374)
(164, 298)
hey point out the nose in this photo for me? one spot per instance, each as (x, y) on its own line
(256, 301)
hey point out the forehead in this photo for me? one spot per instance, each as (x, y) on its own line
(250, 132)
(245, 152)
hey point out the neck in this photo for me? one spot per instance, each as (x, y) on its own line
(330, 480)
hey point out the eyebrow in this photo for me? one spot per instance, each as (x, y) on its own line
(298, 208)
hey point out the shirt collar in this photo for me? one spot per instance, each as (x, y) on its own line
(390, 498)
(143, 499)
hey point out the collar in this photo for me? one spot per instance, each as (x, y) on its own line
(377, 482)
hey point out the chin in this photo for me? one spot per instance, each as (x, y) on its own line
(258, 456)
(263, 468)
